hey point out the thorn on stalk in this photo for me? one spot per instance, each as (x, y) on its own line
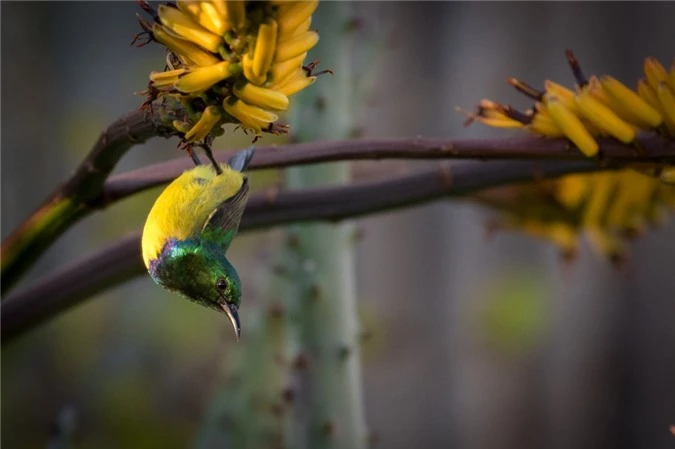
(288, 395)
(301, 362)
(343, 352)
(279, 270)
(365, 336)
(328, 428)
(314, 293)
(354, 24)
(275, 310)
(277, 410)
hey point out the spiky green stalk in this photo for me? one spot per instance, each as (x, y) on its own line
(320, 272)
(247, 412)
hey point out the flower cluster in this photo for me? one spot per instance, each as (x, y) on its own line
(606, 207)
(231, 61)
(598, 106)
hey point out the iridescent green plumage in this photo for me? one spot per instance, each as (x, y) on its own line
(189, 230)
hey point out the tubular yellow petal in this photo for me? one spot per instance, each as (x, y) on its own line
(648, 94)
(204, 77)
(296, 46)
(563, 94)
(606, 244)
(236, 13)
(257, 113)
(304, 26)
(543, 124)
(181, 126)
(564, 237)
(604, 118)
(655, 72)
(572, 190)
(628, 105)
(247, 65)
(182, 47)
(260, 96)
(265, 46)
(668, 175)
(249, 116)
(281, 71)
(490, 114)
(221, 8)
(292, 15)
(571, 126)
(217, 24)
(210, 117)
(191, 8)
(178, 22)
(213, 19)
(165, 79)
(594, 89)
(494, 122)
(667, 101)
(632, 193)
(169, 74)
(296, 83)
(604, 185)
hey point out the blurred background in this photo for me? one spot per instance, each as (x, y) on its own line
(474, 342)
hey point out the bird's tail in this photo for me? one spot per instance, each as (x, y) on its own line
(240, 160)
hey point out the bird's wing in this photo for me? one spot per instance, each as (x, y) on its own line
(240, 160)
(226, 217)
(185, 205)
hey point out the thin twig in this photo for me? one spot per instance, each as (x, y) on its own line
(121, 260)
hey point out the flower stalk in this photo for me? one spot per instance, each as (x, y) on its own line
(320, 291)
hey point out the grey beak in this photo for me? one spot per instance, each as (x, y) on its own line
(233, 315)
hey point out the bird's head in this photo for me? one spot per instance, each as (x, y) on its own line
(200, 272)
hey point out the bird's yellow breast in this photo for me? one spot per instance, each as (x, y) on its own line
(182, 209)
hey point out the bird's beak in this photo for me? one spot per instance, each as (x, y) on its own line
(233, 315)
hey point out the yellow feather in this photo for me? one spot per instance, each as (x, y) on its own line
(182, 209)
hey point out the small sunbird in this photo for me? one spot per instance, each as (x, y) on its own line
(189, 229)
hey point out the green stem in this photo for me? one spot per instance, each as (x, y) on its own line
(247, 411)
(25, 245)
(329, 410)
(324, 313)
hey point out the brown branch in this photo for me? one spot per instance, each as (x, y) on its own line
(121, 260)
(656, 151)
(87, 189)
(70, 201)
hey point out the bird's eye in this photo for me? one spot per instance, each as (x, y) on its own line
(221, 284)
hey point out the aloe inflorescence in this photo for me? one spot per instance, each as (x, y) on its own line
(230, 61)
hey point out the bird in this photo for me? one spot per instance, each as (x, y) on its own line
(189, 230)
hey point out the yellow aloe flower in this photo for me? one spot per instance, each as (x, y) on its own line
(606, 208)
(598, 106)
(231, 61)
